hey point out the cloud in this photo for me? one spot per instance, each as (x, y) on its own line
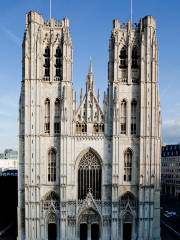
(171, 131)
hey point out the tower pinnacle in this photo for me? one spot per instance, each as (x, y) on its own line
(90, 77)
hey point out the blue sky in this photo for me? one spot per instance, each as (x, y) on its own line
(91, 24)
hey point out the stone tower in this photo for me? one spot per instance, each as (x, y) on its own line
(87, 172)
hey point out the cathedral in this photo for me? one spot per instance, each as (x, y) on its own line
(89, 170)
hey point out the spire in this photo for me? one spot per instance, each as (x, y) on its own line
(90, 78)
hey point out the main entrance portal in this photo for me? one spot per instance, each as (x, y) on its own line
(89, 231)
(89, 225)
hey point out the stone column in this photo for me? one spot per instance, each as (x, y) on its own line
(89, 231)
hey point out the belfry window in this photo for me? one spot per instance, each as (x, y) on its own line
(47, 116)
(123, 57)
(58, 64)
(52, 165)
(89, 176)
(47, 62)
(128, 165)
(135, 57)
(57, 116)
(133, 117)
(123, 116)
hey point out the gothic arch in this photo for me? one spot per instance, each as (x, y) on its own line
(89, 175)
(128, 203)
(51, 195)
(128, 149)
(86, 211)
(83, 152)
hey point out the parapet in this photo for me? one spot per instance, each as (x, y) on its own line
(37, 18)
(149, 21)
(34, 17)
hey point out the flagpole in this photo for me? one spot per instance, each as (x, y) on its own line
(131, 10)
(50, 9)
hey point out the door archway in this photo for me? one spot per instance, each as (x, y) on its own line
(89, 225)
(52, 227)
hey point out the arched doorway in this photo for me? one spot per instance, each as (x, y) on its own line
(50, 203)
(127, 207)
(89, 225)
(52, 227)
(127, 226)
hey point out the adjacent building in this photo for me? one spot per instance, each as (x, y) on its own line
(170, 170)
(88, 171)
(8, 161)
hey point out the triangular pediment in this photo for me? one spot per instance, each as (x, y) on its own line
(89, 110)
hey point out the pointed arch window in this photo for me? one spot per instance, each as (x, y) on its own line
(47, 116)
(47, 63)
(133, 117)
(123, 57)
(128, 165)
(89, 176)
(57, 116)
(52, 165)
(58, 64)
(123, 116)
(135, 57)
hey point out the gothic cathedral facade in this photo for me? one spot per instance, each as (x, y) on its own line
(86, 171)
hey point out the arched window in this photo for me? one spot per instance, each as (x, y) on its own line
(89, 176)
(135, 57)
(133, 116)
(123, 116)
(47, 62)
(52, 165)
(47, 116)
(57, 116)
(123, 56)
(58, 64)
(128, 165)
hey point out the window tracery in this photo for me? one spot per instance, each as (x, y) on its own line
(89, 176)
(47, 116)
(57, 116)
(58, 64)
(133, 117)
(123, 57)
(47, 63)
(128, 165)
(52, 165)
(135, 57)
(123, 116)
(128, 199)
(51, 198)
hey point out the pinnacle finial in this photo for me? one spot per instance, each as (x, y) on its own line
(90, 66)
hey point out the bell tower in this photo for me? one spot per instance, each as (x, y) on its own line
(46, 93)
(135, 125)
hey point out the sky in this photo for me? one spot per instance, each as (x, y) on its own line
(91, 25)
